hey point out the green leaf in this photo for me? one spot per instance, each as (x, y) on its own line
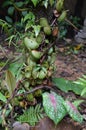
(77, 102)
(62, 84)
(6, 3)
(51, 2)
(9, 20)
(15, 68)
(45, 3)
(6, 114)
(83, 93)
(81, 81)
(19, 4)
(11, 10)
(10, 82)
(24, 13)
(35, 2)
(29, 16)
(67, 85)
(32, 115)
(37, 29)
(73, 112)
(53, 106)
(3, 98)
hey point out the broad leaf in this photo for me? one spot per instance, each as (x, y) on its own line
(62, 84)
(8, 19)
(53, 106)
(67, 85)
(73, 112)
(11, 10)
(10, 82)
(19, 4)
(3, 98)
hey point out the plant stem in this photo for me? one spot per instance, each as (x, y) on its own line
(68, 21)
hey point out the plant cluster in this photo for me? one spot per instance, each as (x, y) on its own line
(55, 107)
(28, 73)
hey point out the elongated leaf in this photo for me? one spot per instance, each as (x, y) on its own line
(67, 85)
(53, 106)
(83, 93)
(77, 102)
(3, 98)
(73, 112)
(10, 82)
(62, 84)
(6, 3)
(6, 114)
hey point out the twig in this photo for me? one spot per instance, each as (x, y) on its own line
(46, 51)
(53, 22)
(68, 21)
(35, 89)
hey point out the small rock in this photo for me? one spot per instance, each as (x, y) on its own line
(19, 126)
(84, 29)
(16, 123)
(82, 34)
(78, 39)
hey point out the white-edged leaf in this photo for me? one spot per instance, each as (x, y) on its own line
(53, 106)
(73, 112)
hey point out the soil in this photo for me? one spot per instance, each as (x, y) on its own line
(71, 66)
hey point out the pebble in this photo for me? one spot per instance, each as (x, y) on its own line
(81, 35)
(19, 126)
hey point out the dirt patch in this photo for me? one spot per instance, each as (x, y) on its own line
(71, 66)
